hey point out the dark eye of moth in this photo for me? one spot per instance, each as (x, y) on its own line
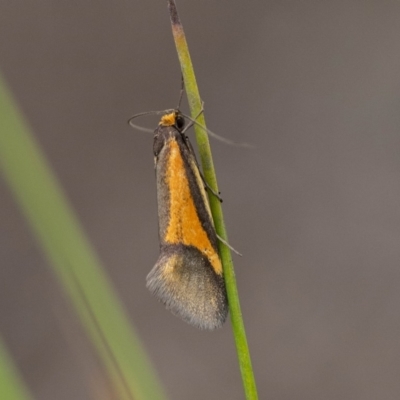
(180, 122)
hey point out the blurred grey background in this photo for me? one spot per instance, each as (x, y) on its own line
(314, 207)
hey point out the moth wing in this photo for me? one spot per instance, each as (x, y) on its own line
(184, 280)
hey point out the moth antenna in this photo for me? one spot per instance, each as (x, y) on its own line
(211, 133)
(142, 114)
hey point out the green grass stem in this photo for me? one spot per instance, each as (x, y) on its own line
(195, 105)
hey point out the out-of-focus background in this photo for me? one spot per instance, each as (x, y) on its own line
(314, 207)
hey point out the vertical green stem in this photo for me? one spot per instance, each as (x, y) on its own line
(209, 174)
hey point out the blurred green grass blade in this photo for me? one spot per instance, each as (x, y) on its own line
(12, 386)
(70, 254)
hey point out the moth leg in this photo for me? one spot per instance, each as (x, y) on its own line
(228, 245)
(190, 147)
(192, 122)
